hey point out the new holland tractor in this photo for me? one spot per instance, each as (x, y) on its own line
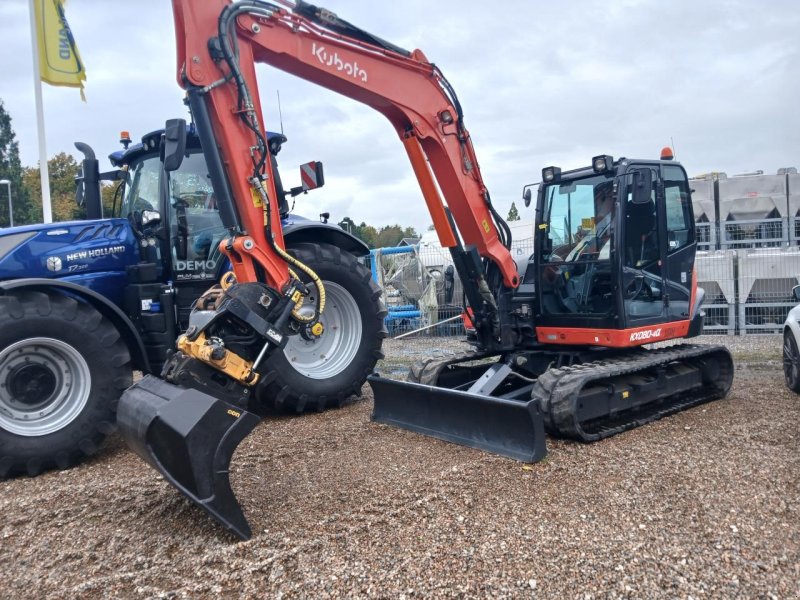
(85, 304)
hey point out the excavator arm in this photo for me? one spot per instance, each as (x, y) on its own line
(218, 46)
(188, 423)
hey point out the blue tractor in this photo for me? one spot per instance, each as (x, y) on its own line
(84, 304)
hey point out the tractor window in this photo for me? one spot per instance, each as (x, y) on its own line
(195, 225)
(679, 216)
(141, 191)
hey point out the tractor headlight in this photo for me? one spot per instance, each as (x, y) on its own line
(551, 174)
(602, 163)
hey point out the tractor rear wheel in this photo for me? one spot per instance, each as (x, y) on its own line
(325, 372)
(63, 367)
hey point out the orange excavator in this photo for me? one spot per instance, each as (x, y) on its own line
(556, 339)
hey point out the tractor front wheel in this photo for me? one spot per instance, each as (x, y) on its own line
(63, 367)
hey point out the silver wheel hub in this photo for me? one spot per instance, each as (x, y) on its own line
(44, 386)
(333, 351)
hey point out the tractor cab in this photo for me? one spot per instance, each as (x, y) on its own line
(173, 209)
(615, 249)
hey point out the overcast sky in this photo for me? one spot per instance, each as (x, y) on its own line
(541, 83)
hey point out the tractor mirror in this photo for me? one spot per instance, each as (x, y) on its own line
(150, 218)
(796, 293)
(642, 186)
(312, 175)
(174, 144)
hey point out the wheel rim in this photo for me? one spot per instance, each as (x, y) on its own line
(44, 386)
(335, 349)
(791, 370)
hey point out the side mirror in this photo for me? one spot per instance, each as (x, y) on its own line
(527, 195)
(642, 186)
(796, 293)
(150, 218)
(174, 144)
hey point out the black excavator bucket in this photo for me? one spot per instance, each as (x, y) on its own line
(511, 428)
(189, 437)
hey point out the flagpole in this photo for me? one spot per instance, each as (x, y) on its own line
(37, 87)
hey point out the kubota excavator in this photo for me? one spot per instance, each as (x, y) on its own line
(556, 339)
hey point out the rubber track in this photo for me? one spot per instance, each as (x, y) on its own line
(427, 371)
(558, 390)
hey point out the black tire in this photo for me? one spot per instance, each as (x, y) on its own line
(284, 387)
(43, 336)
(791, 361)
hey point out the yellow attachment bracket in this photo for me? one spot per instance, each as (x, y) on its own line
(317, 328)
(227, 280)
(231, 364)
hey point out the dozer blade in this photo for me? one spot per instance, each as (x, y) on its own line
(507, 427)
(189, 437)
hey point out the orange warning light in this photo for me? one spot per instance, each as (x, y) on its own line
(666, 153)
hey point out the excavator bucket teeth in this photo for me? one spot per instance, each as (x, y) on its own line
(507, 427)
(189, 437)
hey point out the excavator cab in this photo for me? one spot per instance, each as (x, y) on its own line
(616, 246)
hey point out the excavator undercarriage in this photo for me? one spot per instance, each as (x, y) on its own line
(590, 396)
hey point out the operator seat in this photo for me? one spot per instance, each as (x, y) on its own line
(640, 238)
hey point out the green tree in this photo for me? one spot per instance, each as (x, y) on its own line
(389, 236)
(62, 170)
(383, 237)
(108, 194)
(513, 213)
(368, 234)
(11, 169)
(410, 232)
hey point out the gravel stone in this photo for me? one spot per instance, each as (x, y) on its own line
(704, 504)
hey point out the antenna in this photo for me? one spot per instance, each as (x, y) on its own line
(671, 142)
(280, 114)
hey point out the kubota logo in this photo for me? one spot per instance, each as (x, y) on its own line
(637, 336)
(333, 60)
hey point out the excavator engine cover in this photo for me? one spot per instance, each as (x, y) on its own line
(189, 437)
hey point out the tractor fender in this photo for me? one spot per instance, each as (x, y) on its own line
(298, 230)
(102, 304)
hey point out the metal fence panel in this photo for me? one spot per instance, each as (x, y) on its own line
(765, 281)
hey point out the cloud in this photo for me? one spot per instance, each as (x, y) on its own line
(540, 83)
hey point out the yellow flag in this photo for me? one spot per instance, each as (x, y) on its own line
(59, 60)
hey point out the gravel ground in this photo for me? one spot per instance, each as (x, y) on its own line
(703, 504)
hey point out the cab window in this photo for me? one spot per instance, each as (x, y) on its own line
(678, 208)
(195, 225)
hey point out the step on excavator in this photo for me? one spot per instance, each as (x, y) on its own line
(557, 340)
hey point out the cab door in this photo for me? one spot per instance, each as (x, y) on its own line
(195, 232)
(657, 249)
(678, 242)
